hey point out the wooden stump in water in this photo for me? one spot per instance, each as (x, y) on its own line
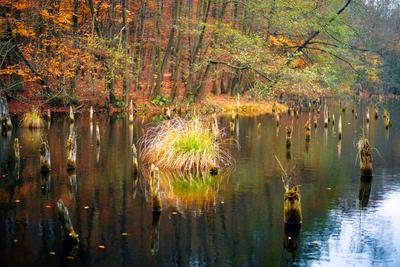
(71, 148)
(340, 128)
(71, 118)
(292, 206)
(97, 135)
(277, 120)
(289, 130)
(130, 111)
(69, 234)
(5, 118)
(365, 156)
(307, 128)
(367, 115)
(155, 189)
(387, 121)
(91, 114)
(134, 160)
(259, 127)
(45, 162)
(315, 122)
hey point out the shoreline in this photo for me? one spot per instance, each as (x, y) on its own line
(221, 105)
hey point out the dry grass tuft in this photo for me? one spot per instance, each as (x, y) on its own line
(183, 144)
(32, 120)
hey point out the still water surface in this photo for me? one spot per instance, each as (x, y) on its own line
(237, 222)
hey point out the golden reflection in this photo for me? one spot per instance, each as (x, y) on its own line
(183, 189)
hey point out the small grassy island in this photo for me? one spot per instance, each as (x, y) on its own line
(185, 144)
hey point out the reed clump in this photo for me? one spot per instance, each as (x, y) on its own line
(32, 120)
(183, 144)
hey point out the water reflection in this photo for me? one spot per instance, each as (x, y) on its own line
(365, 190)
(234, 219)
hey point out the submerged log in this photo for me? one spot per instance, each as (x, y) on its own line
(71, 148)
(292, 206)
(69, 234)
(155, 189)
(45, 163)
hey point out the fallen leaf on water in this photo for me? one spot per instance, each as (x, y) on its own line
(316, 242)
(17, 201)
(48, 206)
(15, 240)
(70, 257)
(124, 234)
(102, 246)
(329, 188)
(52, 253)
(174, 213)
(86, 207)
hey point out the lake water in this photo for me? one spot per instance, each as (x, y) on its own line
(237, 222)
